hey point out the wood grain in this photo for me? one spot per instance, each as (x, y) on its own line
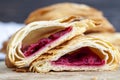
(8, 74)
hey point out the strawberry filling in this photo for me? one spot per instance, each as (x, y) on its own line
(81, 57)
(31, 49)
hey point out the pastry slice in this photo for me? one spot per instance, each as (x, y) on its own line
(82, 53)
(36, 38)
(113, 38)
(59, 10)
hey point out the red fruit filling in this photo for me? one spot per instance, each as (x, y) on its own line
(81, 57)
(31, 49)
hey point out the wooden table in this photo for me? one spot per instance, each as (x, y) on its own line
(8, 74)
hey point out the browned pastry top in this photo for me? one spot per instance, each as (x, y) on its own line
(72, 9)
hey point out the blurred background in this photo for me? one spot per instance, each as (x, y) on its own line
(14, 12)
(18, 10)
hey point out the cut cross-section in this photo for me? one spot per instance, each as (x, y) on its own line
(31, 49)
(81, 57)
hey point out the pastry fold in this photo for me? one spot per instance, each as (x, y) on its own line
(59, 10)
(113, 38)
(37, 38)
(81, 53)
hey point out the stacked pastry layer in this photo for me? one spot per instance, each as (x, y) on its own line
(63, 44)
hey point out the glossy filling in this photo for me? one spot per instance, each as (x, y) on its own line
(80, 57)
(31, 49)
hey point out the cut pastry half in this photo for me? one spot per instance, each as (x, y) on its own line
(36, 38)
(82, 53)
(59, 10)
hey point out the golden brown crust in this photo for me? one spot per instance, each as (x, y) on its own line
(3, 50)
(8, 63)
(71, 9)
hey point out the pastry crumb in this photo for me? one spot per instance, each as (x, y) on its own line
(94, 78)
(21, 70)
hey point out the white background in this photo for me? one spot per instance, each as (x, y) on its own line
(6, 30)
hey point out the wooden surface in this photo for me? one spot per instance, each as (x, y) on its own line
(8, 74)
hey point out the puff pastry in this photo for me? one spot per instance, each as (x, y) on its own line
(59, 10)
(36, 38)
(113, 38)
(78, 54)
